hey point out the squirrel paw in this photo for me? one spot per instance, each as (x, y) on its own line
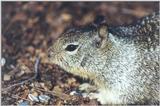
(92, 92)
(90, 95)
(87, 87)
(97, 96)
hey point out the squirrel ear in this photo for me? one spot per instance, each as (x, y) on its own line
(103, 31)
(102, 36)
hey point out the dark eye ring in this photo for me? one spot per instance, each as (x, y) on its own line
(71, 47)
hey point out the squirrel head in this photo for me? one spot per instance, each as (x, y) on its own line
(70, 48)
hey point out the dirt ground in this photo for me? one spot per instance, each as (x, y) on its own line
(29, 28)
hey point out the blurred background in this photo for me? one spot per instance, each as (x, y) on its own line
(29, 28)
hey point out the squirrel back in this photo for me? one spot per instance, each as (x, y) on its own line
(144, 30)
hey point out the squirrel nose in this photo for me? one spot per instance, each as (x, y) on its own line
(50, 53)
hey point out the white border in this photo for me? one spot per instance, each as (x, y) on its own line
(0, 52)
(81, 0)
(54, 1)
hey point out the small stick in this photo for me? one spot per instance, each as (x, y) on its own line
(18, 97)
(32, 78)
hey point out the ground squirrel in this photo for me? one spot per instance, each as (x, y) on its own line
(123, 61)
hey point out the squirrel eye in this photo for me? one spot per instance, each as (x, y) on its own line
(71, 47)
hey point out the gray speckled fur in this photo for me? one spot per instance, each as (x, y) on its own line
(126, 70)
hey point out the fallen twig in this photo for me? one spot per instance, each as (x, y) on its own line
(18, 97)
(32, 78)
